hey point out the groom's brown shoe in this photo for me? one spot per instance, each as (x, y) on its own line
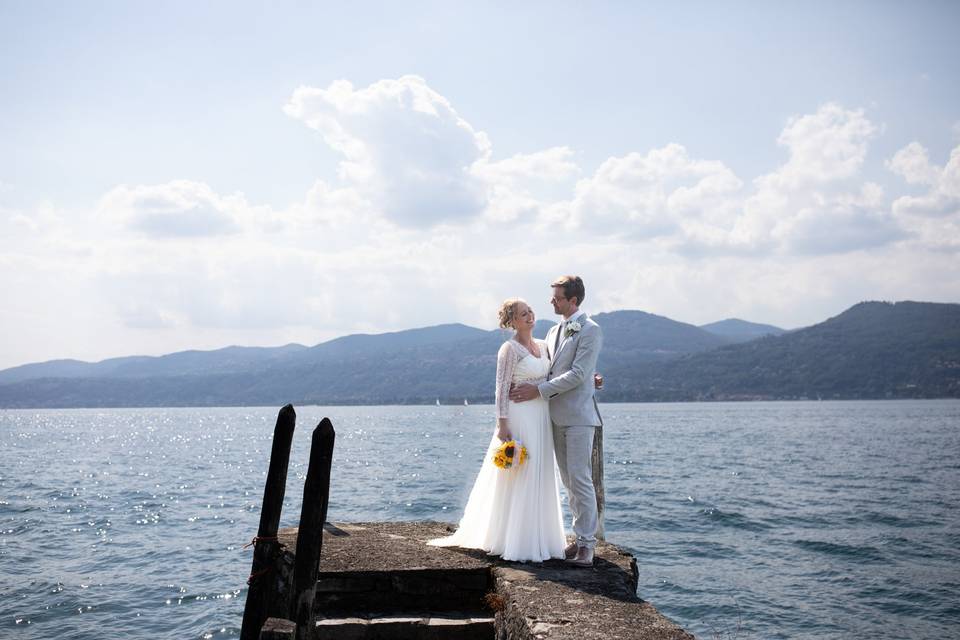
(584, 558)
(571, 551)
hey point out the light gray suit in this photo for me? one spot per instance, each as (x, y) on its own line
(573, 410)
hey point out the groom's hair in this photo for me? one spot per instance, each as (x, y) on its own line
(572, 287)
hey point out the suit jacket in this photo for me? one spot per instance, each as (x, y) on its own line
(569, 384)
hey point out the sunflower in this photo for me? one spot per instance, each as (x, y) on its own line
(510, 453)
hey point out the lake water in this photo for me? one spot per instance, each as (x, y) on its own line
(749, 520)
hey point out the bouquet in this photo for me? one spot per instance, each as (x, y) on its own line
(509, 454)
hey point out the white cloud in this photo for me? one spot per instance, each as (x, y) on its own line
(405, 148)
(934, 216)
(181, 208)
(518, 187)
(645, 196)
(19, 219)
(913, 164)
(840, 224)
(943, 196)
(825, 147)
(241, 286)
(525, 171)
(814, 203)
(44, 219)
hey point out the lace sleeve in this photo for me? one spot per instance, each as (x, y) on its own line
(506, 363)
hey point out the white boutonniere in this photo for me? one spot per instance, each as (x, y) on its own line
(572, 328)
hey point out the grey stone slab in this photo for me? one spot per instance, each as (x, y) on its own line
(333, 622)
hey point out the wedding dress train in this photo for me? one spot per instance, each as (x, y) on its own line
(515, 513)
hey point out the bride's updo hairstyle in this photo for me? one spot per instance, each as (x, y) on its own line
(508, 311)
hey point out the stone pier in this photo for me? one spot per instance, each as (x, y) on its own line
(380, 580)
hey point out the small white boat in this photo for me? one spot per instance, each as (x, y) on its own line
(465, 403)
(438, 402)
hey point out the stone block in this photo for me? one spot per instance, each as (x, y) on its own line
(278, 629)
(341, 629)
(445, 628)
(346, 583)
(394, 628)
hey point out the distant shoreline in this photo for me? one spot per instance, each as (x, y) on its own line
(484, 404)
(873, 350)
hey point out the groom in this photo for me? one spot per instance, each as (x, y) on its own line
(573, 346)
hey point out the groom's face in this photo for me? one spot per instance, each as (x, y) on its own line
(561, 304)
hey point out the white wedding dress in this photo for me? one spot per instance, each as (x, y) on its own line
(515, 513)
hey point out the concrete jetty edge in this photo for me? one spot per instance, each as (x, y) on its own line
(548, 600)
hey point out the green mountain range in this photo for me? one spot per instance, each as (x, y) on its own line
(873, 350)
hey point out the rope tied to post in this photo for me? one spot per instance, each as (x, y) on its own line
(258, 574)
(257, 539)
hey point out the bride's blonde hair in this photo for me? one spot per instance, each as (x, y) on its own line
(508, 310)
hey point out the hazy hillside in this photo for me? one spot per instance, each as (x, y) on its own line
(636, 334)
(873, 350)
(737, 330)
(451, 362)
(226, 360)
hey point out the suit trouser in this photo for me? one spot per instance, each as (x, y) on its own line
(574, 450)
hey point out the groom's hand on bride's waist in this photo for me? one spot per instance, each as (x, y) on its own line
(523, 392)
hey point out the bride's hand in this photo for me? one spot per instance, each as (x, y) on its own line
(503, 433)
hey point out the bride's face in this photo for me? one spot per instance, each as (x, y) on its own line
(524, 318)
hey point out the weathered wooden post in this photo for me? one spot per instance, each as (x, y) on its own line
(266, 546)
(597, 460)
(316, 497)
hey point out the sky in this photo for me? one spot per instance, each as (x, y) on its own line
(186, 175)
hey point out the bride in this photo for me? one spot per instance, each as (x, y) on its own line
(515, 513)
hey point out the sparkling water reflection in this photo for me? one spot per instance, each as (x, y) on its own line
(813, 520)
